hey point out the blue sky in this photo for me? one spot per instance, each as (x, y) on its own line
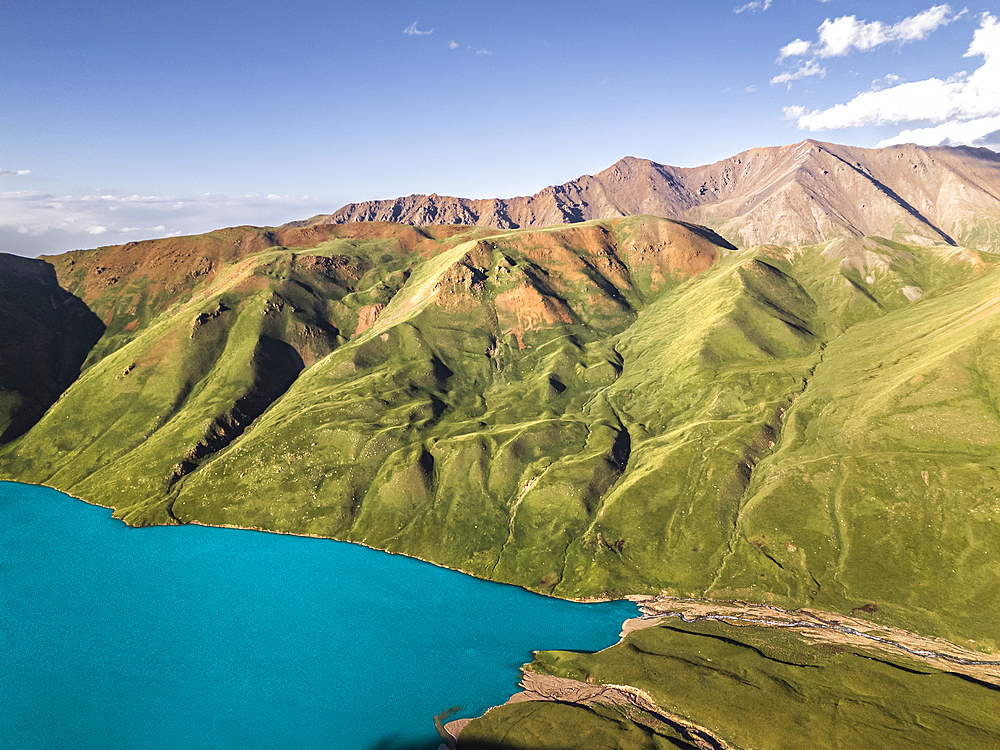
(126, 120)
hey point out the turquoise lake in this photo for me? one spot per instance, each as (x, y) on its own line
(190, 637)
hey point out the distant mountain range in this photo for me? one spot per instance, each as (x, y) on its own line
(802, 194)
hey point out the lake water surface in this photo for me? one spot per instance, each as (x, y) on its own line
(193, 637)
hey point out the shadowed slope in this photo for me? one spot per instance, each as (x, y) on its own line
(129, 285)
(44, 339)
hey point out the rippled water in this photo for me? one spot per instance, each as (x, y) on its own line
(193, 637)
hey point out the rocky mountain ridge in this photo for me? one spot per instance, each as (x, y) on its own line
(801, 194)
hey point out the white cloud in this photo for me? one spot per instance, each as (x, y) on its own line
(960, 109)
(839, 36)
(453, 45)
(412, 30)
(484, 53)
(984, 131)
(18, 173)
(806, 69)
(795, 48)
(34, 222)
(984, 41)
(756, 5)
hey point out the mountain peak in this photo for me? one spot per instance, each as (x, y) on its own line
(803, 193)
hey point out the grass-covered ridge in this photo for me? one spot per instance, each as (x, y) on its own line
(621, 406)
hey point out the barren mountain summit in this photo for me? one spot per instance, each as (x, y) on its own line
(806, 193)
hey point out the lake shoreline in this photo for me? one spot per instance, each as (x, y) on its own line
(110, 564)
(818, 628)
(635, 598)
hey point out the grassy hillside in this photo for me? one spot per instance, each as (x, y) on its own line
(716, 685)
(621, 406)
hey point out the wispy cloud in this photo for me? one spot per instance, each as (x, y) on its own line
(756, 5)
(840, 36)
(17, 173)
(806, 69)
(964, 108)
(481, 52)
(34, 222)
(412, 30)
(890, 79)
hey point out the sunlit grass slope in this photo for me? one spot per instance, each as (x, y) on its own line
(749, 687)
(621, 406)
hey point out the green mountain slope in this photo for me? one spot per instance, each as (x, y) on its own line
(625, 406)
(620, 406)
(884, 487)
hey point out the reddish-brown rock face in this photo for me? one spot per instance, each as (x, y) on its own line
(802, 194)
